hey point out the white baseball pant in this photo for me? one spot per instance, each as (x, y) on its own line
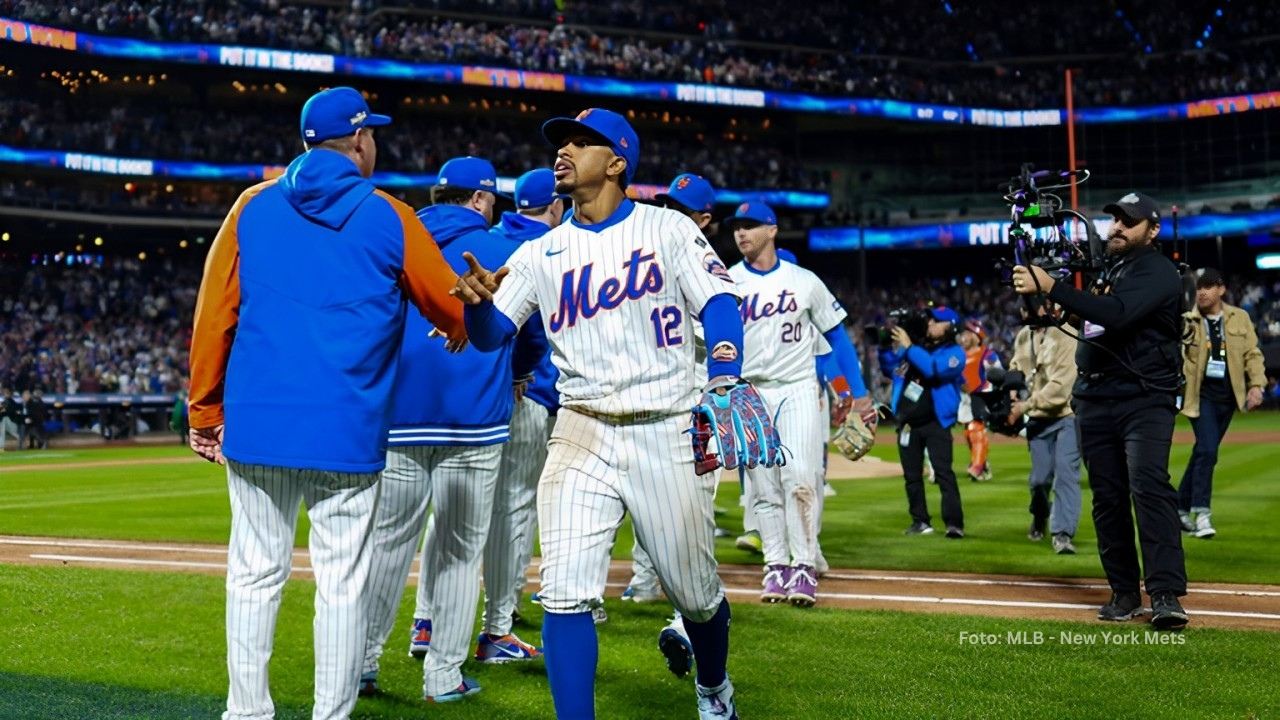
(458, 481)
(595, 473)
(786, 499)
(510, 544)
(264, 516)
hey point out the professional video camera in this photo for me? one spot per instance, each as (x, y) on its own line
(914, 320)
(998, 396)
(1052, 241)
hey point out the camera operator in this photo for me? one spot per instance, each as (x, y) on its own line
(1046, 356)
(1125, 399)
(926, 396)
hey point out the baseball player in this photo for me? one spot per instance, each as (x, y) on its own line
(297, 332)
(506, 554)
(452, 414)
(617, 286)
(784, 309)
(979, 358)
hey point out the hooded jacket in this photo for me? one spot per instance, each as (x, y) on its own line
(300, 316)
(444, 398)
(515, 229)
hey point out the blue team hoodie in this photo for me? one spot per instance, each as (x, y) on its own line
(943, 370)
(515, 228)
(309, 376)
(443, 398)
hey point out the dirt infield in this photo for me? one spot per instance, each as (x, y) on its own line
(1255, 607)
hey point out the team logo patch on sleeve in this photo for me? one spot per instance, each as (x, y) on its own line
(954, 361)
(715, 267)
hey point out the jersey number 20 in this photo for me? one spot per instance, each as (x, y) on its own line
(666, 325)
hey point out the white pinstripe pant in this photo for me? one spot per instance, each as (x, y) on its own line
(787, 499)
(264, 516)
(595, 472)
(510, 543)
(459, 479)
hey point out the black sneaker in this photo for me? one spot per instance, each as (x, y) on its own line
(919, 528)
(1121, 607)
(1035, 533)
(1167, 612)
(955, 533)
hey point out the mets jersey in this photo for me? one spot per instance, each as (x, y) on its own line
(618, 300)
(783, 309)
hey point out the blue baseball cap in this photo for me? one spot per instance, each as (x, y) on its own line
(754, 213)
(469, 173)
(337, 112)
(536, 188)
(942, 313)
(787, 255)
(606, 125)
(691, 191)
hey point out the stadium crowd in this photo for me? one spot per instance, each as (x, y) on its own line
(243, 135)
(971, 54)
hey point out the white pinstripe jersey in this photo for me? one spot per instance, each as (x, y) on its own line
(618, 306)
(784, 312)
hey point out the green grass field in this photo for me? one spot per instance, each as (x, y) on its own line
(124, 644)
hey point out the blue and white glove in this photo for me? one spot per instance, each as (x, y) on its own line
(732, 428)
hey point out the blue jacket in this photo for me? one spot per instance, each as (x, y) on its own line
(302, 306)
(942, 369)
(516, 228)
(444, 398)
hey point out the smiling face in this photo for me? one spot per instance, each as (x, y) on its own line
(586, 161)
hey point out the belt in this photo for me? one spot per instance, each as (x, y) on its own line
(632, 418)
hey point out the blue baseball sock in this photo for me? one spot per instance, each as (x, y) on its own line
(570, 651)
(710, 641)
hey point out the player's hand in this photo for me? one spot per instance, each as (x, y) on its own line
(451, 345)
(1253, 398)
(477, 284)
(207, 443)
(1025, 279)
(866, 409)
(840, 409)
(900, 337)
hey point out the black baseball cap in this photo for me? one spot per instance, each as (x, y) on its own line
(1136, 207)
(1209, 277)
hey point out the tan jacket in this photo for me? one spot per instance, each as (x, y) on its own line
(1047, 357)
(1244, 358)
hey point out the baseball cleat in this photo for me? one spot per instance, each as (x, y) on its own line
(750, 541)
(535, 598)
(821, 566)
(802, 586)
(828, 490)
(420, 638)
(642, 594)
(497, 650)
(677, 649)
(369, 684)
(717, 703)
(775, 582)
(468, 687)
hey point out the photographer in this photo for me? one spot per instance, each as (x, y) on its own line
(1125, 398)
(1046, 356)
(926, 396)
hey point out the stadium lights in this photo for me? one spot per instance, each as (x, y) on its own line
(182, 244)
(1267, 261)
(142, 255)
(98, 241)
(4, 237)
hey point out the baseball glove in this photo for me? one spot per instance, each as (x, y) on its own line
(732, 428)
(854, 437)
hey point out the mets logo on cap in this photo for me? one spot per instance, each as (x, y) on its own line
(682, 183)
(743, 208)
(583, 115)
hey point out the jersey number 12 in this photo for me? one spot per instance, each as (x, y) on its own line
(666, 325)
